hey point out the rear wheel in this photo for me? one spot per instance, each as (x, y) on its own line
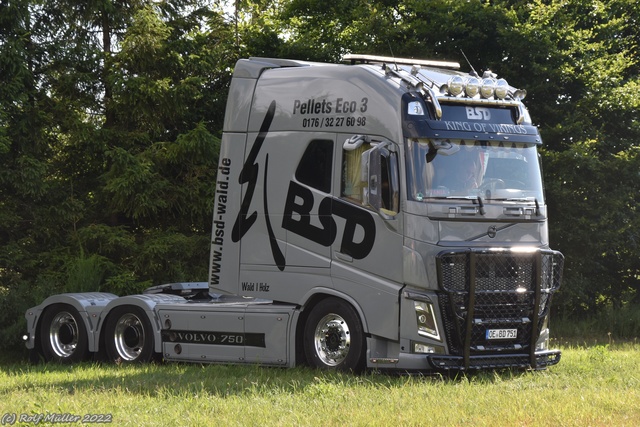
(129, 335)
(63, 335)
(334, 337)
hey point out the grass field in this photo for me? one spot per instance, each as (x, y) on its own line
(592, 386)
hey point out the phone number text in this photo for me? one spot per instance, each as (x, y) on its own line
(329, 122)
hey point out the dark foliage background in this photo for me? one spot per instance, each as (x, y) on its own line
(111, 113)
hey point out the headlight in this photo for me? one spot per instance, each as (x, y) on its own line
(426, 319)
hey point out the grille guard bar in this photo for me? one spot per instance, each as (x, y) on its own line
(543, 359)
(491, 274)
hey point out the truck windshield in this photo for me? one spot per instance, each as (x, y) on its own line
(498, 171)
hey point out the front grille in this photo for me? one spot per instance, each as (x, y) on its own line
(484, 289)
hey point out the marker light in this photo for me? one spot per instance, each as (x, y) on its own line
(502, 88)
(487, 88)
(473, 87)
(415, 109)
(456, 85)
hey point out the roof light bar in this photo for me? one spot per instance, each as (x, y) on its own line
(486, 88)
(404, 61)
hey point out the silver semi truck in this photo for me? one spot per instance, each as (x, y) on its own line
(384, 213)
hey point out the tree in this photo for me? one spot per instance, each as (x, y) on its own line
(589, 116)
(108, 146)
(110, 113)
(578, 60)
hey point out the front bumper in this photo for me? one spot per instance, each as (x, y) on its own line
(540, 360)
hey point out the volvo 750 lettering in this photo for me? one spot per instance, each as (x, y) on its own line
(383, 213)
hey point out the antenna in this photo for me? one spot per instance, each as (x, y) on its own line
(392, 55)
(475, 74)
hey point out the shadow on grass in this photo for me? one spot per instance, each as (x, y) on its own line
(189, 380)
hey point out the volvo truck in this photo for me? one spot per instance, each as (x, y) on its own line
(380, 213)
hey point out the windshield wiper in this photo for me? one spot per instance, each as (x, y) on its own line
(515, 199)
(458, 197)
(472, 198)
(521, 199)
(481, 206)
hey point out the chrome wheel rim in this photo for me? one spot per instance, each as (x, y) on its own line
(129, 337)
(332, 339)
(63, 334)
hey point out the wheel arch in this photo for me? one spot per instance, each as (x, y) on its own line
(145, 302)
(312, 299)
(89, 306)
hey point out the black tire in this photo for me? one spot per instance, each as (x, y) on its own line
(128, 335)
(334, 338)
(63, 335)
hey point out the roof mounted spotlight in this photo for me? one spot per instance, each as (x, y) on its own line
(455, 85)
(488, 87)
(472, 88)
(501, 89)
(519, 94)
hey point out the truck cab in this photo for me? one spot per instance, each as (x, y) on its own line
(385, 213)
(406, 189)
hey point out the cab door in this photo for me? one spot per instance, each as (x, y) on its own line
(367, 251)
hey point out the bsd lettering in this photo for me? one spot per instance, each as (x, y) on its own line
(326, 234)
(300, 202)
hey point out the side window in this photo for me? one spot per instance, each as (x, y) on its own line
(383, 166)
(314, 168)
(354, 184)
(389, 183)
(370, 174)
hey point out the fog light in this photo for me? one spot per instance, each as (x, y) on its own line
(423, 348)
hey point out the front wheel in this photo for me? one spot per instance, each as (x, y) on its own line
(334, 337)
(63, 335)
(129, 335)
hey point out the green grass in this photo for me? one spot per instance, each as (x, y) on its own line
(592, 386)
(622, 324)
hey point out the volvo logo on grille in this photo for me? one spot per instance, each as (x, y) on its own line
(492, 231)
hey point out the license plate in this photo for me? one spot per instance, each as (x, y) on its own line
(502, 334)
